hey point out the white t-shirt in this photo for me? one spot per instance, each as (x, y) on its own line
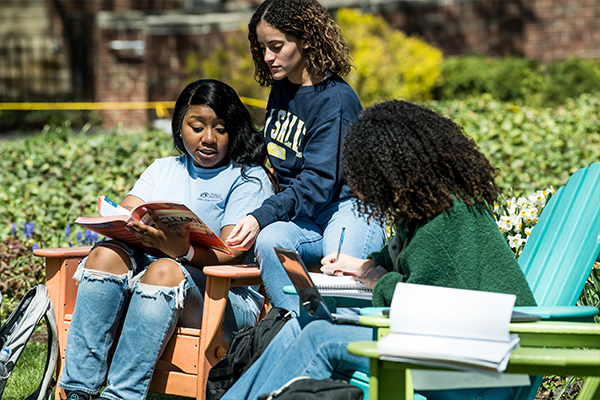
(219, 196)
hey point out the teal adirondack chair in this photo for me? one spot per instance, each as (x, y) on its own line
(560, 253)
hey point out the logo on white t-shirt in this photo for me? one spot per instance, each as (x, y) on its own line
(206, 196)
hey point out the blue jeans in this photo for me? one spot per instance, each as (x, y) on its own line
(313, 238)
(311, 347)
(305, 346)
(151, 314)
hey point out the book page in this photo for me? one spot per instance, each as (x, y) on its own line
(108, 208)
(449, 312)
(446, 349)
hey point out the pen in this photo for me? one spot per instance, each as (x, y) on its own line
(340, 245)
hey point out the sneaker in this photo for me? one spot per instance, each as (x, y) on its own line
(78, 395)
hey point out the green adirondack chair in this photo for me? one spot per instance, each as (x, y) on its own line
(556, 261)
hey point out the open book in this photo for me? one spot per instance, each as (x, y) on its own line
(340, 286)
(114, 219)
(454, 328)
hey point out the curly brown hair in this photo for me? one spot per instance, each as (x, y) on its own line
(405, 161)
(301, 19)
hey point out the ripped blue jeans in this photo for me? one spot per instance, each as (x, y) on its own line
(150, 315)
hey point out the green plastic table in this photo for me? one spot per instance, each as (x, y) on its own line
(547, 348)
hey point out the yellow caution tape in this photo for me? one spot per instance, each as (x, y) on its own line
(129, 105)
(160, 106)
(254, 102)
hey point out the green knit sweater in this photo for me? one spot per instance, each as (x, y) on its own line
(462, 249)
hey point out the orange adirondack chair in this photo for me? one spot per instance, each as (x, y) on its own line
(183, 368)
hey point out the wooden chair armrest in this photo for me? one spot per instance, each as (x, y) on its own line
(233, 271)
(63, 252)
(240, 275)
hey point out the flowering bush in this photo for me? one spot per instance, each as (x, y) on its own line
(516, 217)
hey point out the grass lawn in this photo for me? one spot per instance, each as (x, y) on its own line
(27, 375)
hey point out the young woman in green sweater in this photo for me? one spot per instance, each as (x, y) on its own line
(410, 165)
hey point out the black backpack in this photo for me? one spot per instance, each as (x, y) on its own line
(246, 347)
(305, 388)
(16, 331)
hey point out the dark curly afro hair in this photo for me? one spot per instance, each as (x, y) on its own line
(406, 162)
(300, 19)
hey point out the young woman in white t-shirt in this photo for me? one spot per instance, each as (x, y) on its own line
(218, 176)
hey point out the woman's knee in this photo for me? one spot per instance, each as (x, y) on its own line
(287, 234)
(163, 272)
(272, 235)
(113, 259)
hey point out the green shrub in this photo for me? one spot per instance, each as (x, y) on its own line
(56, 176)
(50, 179)
(570, 78)
(531, 147)
(388, 64)
(517, 80)
(463, 77)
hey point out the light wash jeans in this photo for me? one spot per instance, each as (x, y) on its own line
(311, 347)
(151, 314)
(313, 239)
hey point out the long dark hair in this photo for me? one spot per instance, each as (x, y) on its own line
(246, 144)
(406, 162)
(301, 19)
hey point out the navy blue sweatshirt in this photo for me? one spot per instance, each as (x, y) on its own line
(304, 128)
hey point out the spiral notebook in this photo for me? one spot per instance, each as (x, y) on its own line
(340, 286)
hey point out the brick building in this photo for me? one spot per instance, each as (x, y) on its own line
(135, 50)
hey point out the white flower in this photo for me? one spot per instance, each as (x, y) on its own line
(528, 231)
(516, 240)
(522, 202)
(511, 201)
(548, 191)
(537, 199)
(508, 222)
(513, 209)
(529, 214)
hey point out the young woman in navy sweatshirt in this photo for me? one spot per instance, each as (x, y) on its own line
(299, 52)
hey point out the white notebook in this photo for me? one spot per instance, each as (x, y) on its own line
(462, 329)
(340, 286)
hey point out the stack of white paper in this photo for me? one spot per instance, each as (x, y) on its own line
(455, 328)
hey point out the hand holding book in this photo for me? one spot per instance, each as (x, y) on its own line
(171, 242)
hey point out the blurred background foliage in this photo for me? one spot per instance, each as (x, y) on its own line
(517, 80)
(388, 64)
